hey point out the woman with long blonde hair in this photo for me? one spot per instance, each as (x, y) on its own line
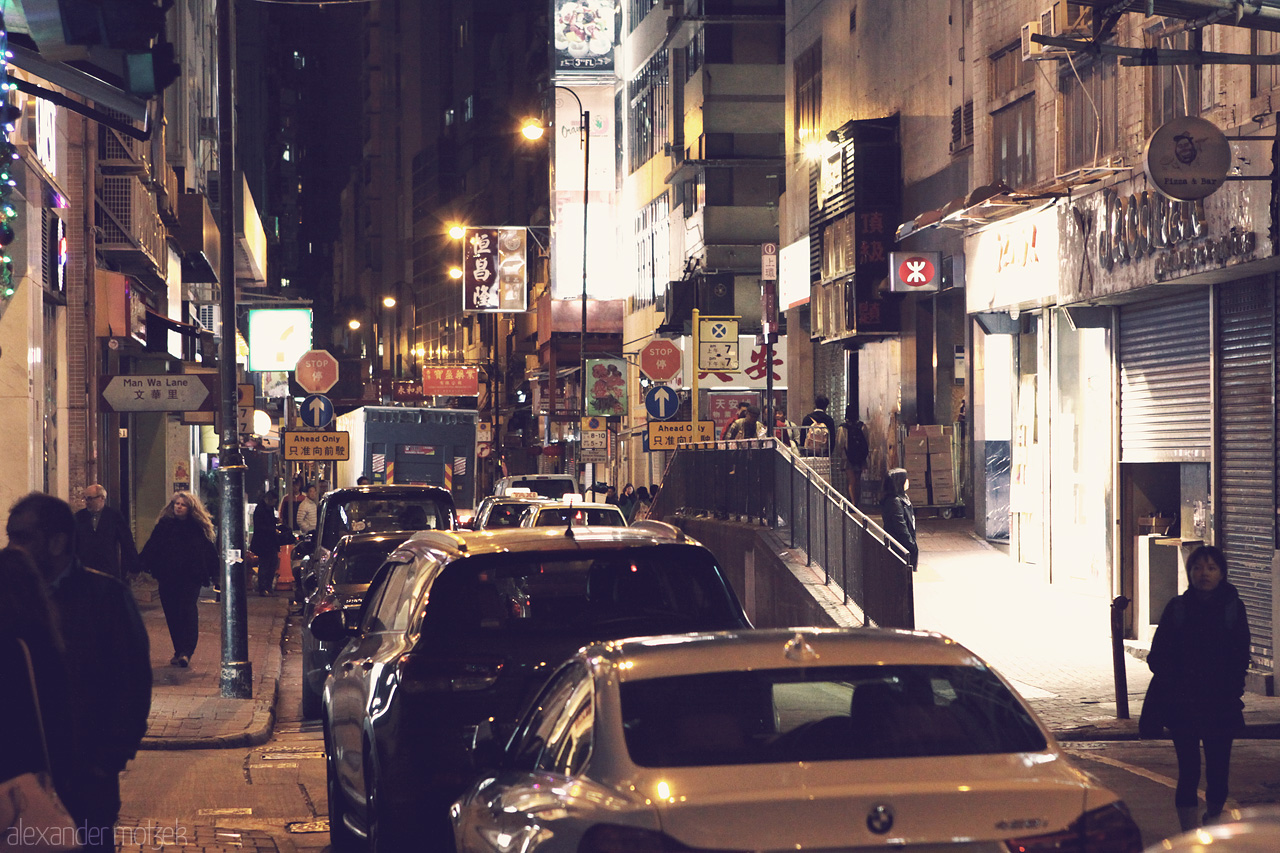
(182, 557)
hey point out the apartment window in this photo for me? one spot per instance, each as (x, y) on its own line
(1009, 72)
(1013, 142)
(448, 117)
(648, 95)
(695, 54)
(637, 10)
(1264, 78)
(808, 80)
(469, 108)
(1089, 117)
(837, 248)
(652, 250)
(1175, 89)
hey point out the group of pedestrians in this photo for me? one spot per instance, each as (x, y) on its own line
(634, 503)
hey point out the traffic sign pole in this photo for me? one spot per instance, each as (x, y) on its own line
(693, 362)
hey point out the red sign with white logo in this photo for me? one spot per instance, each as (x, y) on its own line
(915, 272)
(451, 381)
(316, 372)
(660, 360)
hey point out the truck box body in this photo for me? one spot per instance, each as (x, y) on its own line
(396, 444)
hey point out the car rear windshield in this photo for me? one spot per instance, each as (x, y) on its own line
(554, 489)
(506, 515)
(559, 516)
(361, 514)
(608, 594)
(823, 714)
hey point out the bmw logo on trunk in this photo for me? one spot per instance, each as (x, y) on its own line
(880, 819)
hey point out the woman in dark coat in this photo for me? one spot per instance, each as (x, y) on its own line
(181, 555)
(1198, 659)
(899, 516)
(264, 543)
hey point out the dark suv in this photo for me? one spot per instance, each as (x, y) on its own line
(371, 509)
(459, 629)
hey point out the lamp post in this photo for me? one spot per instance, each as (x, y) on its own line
(584, 139)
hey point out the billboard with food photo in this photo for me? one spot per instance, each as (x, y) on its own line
(584, 33)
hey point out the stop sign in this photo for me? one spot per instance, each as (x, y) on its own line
(660, 360)
(316, 371)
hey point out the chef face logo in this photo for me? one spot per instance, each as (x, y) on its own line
(880, 819)
(916, 272)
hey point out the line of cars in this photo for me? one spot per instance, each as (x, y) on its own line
(596, 688)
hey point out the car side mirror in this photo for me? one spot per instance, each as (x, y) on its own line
(311, 583)
(329, 626)
(305, 545)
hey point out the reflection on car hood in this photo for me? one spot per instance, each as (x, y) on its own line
(931, 801)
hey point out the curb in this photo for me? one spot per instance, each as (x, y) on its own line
(262, 725)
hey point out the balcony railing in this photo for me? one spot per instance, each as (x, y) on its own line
(763, 480)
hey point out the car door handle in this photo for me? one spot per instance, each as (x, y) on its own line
(367, 664)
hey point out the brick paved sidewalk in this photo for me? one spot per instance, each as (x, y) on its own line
(187, 709)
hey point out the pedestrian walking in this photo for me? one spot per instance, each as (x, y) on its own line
(898, 515)
(627, 502)
(1198, 659)
(817, 429)
(35, 716)
(290, 502)
(747, 426)
(103, 538)
(307, 510)
(782, 427)
(742, 410)
(265, 543)
(108, 663)
(852, 446)
(182, 557)
(643, 502)
(611, 495)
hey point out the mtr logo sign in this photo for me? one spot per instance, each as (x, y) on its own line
(915, 272)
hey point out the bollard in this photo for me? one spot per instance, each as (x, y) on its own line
(1118, 605)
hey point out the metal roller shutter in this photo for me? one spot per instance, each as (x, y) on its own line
(1165, 413)
(1246, 446)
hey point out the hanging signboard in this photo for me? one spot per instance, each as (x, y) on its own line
(449, 381)
(1187, 158)
(606, 387)
(495, 272)
(583, 34)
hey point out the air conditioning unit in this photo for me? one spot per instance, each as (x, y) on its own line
(1030, 49)
(1064, 18)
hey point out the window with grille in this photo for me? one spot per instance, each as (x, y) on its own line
(1013, 143)
(962, 127)
(1009, 72)
(649, 96)
(1264, 78)
(652, 250)
(808, 82)
(837, 247)
(1089, 115)
(637, 10)
(1175, 89)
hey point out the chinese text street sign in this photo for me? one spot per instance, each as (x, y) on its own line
(316, 446)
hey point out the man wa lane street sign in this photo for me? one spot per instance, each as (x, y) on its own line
(161, 392)
(307, 446)
(316, 372)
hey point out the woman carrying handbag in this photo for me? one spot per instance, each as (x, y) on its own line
(39, 745)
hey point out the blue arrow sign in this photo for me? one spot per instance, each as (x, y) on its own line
(316, 411)
(661, 402)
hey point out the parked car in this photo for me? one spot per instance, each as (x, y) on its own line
(460, 629)
(370, 509)
(554, 486)
(557, 514)
(801, 739)
(1252, 830)
(502, 511)
(340, 584)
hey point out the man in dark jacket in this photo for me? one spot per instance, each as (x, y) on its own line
(108, 658)
(103, 539)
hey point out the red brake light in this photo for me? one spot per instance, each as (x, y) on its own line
(329, 602)
(1109, 829)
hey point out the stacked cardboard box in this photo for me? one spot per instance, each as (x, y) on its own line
(941, 464)
(916, 461)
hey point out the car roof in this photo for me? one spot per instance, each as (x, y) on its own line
(775, 648)
(393, 490)
(449, 544)
(385, 540)
(554, 504)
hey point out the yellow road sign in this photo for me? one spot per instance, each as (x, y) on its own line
(316, 446)
(668, 435)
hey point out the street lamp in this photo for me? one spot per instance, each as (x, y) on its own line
(584, 139)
